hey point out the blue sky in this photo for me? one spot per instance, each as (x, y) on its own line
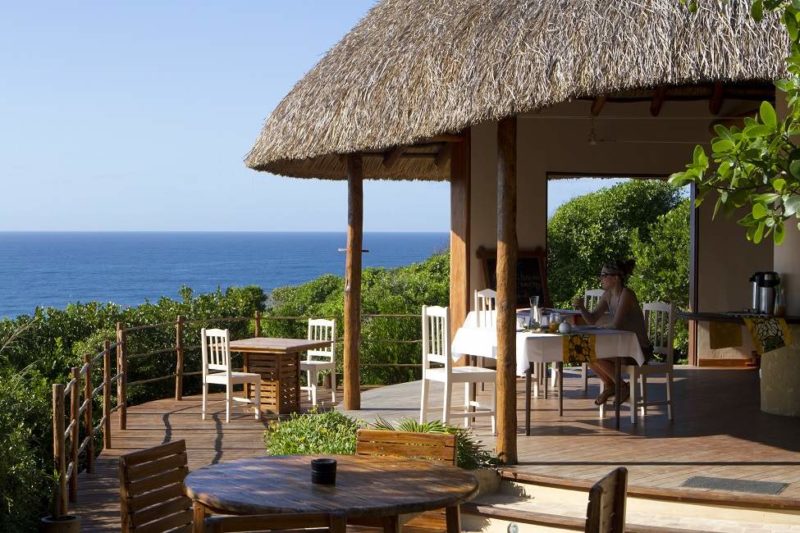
(137, 116)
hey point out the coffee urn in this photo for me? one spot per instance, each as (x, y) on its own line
(755, 288)
(766, 293)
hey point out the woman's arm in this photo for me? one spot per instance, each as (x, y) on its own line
(591, 317)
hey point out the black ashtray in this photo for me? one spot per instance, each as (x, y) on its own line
(323, 471)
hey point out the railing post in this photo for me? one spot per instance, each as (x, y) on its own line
(87, 415)
(107, 395)
(179, 358)
(74, 406)
(59, 453)
(258, 324)
(122, 379)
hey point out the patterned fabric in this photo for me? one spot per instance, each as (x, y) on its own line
(577, 348)
(769, 333)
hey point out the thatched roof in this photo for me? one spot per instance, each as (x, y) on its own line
(413, 69)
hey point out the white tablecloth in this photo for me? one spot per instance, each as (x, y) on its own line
(541, 347)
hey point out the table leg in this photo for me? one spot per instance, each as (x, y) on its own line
(246, 368)
(198, 518)
(391, 524)
(560, 367)
(528, 374)
(618, 385)
(297, 381)
(453, 517)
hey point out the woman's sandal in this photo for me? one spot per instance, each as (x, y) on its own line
(603, 397)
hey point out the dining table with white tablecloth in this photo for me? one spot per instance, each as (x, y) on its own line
(537, 347)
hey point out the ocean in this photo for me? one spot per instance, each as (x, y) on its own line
(56, 268)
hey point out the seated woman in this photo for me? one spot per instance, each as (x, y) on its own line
(624, 313)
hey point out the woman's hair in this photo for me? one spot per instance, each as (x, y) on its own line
(621, 268)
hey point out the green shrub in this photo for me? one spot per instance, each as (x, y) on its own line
(312, 434)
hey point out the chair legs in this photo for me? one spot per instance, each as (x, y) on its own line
(423, 406)
(448, 393)
(205, 398)
(669, 396)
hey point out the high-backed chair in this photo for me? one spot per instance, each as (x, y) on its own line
(411, 445)
(306, 522)
(486, 308)
(659, 318)
(606, 510)
(320, 359)
(151, 489)
(436, 351)
(216, 355)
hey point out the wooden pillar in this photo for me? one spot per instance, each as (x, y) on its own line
(179, 355)
(506, 290)
(59, 452)
(694, 248)
(88, 415)
(459, 232)
(107, 395)
(352, 282)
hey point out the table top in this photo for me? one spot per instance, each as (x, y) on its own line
(365, 486)
(275, 345)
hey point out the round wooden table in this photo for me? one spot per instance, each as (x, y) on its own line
(366, 486)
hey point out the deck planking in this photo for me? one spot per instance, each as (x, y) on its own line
(718, 431)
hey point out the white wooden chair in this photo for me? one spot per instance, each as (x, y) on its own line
(659, 319)
(436, 350)
(216, 354)
(320, 359)
(486, 308)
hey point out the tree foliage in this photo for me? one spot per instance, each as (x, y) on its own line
(592, 229)
(757, 166)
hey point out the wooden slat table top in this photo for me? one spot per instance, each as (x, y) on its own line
(275, 345)
(365, 486)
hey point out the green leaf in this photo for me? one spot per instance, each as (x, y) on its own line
(758, 234)
(783, 85)
(699, 157)
(757, 10)
(778, 184)
(759, 211)
(791, 25)
(791, 205)
(779, 233)
(723, 145)
(766, 198)
(794, 168)
(768, 115)
(757, 130)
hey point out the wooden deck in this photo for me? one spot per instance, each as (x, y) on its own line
(719, 431)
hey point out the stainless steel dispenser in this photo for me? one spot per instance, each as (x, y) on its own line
(766, 293)
(755, 289)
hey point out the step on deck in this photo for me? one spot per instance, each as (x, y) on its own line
(528, 503)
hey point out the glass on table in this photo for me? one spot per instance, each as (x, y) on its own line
(535, 317)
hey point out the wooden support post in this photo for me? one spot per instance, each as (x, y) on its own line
(74, 420)
(179, 358)
(88, 427)
(59, 452)
(506, 290)
(107, 395)
(459, 232)
(257, 327)
(122, 377)
(352, 282)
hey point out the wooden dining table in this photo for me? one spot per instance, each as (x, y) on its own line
(366, 486)
(278, 361)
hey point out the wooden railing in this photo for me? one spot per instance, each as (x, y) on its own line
(73, 403)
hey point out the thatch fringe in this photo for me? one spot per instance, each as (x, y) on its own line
(412, 69)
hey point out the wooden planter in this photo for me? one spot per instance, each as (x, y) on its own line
(62, 524)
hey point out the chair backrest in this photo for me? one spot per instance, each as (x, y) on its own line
(486, 308)
(591, 298)
(306, 522)
(322, 330)
(408, 444)
(659, 319)
(215, 350)
(435, 337)
(606, 510)
(151, 489)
